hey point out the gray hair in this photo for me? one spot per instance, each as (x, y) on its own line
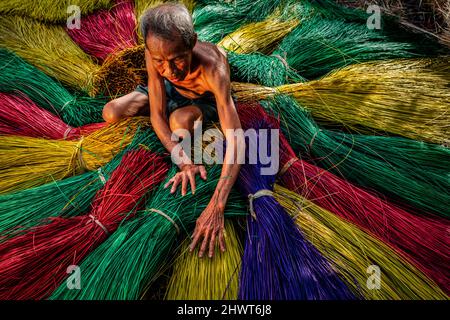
(168, 20)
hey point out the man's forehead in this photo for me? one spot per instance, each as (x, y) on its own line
(164, 46)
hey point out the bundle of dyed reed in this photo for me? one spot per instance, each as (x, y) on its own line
(74, 109)
(49, 48)
(325, 42)
(278, 263)
(414, 172)
(408, 97)
(353, 252)
(34, 263)
(320, 45)
(107, 31)
(207, 279)
(66, 198)
(407, 233)
(212, 21)
(132, 258)
(258, 36)
(51, 11)
(261, 69)
(121, 72)
(21, 117)
(30, 162)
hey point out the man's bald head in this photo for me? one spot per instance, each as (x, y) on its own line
(168, 21)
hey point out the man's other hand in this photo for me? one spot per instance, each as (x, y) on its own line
(208, 229)
(187, 174)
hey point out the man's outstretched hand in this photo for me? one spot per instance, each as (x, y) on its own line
(187, 174)
(209, 227)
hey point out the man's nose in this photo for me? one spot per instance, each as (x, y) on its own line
(171, 68)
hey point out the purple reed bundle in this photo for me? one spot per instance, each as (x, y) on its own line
(107, 31)
(278, 263)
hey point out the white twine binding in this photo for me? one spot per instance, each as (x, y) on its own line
(314, 137)
(101, 176)
(80, 154)
(66, 133)
(283, 60)
(256, 195)
(67, 103)
(99, 224)
(167, 217)
(287, 165)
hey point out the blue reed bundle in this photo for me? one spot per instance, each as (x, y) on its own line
(278, 263)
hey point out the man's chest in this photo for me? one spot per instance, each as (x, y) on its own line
(192, 89)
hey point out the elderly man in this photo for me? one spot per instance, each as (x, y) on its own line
(188, 81)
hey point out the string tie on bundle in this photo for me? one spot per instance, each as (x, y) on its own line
(94, 219)
(167, 217)
(256, 195)
(287, 165)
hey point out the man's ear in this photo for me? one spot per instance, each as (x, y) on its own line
(195, 40)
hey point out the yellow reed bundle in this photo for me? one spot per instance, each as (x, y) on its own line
(352, 251)
(49, 48)
(50, 10)
(217, 278)
(408, 97)
(140, 6)
(261, 36)
(27, 162)
(120, 73)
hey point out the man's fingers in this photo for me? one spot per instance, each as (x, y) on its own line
(176, 182)
(222, 240)
(212, 244)
(202, 172)
(184, 181)
(204, 244)
(169, 182)
(192, 181)
(194, 242)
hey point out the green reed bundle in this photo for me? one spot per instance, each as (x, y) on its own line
(133, 256)
(409, 171)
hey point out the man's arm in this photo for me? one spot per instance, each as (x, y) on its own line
(157, 101)
(210, 224)
(158, 119)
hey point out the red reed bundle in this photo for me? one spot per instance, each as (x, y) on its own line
(21, 117)
(422, 240)
(34, 264)
(107, 31)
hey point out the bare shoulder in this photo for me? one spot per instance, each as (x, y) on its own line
(215, 61)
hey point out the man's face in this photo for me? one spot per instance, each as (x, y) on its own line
(171, 58)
